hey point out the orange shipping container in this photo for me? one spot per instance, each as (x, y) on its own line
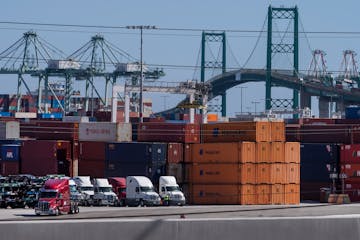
(263, 152)
(188, 167)
(248, 173)
(214, 174)
(215, 153)
(277, 194)
(278, 173)
(188, 152)
(263, 194)
(263, 173)
(247, 194)
(247, 152)
(215, 194)
(236, 131)
(278, 131)
(292, 152)
(292, 194)
(277, 152)
(292, 173)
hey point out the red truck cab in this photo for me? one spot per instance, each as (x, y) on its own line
(54, 198)
(119, 187)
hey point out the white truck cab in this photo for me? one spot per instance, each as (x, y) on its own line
(86, 189)
(104, 194)
(140, 192)
(75, 194)
(170, 192)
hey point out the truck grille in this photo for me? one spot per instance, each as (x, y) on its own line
(44, 206)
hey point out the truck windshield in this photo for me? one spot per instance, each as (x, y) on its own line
(73, 188)
(105, 189)
(86, 188)
(172, 188)
(48, 194)
(146, 189)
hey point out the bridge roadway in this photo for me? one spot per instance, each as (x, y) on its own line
(306, 85)
(305, 221)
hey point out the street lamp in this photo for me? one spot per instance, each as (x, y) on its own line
(255, 103)
(241, 99)
(141, 27)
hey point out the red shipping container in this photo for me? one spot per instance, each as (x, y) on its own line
(50, 130)
(355, 133)
(325, 134)
(169, 132)
(42, 157)
(292, 133)
(92, 150)
(9, 168)
(93, 168)
(353, 189)
(350, 153)
(317, 121)
(352, 171)
(175, 153)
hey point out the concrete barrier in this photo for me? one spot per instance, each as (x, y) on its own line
(344, 227)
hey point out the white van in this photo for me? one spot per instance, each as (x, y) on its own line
(104, 194)
(140, 192)
(170, 191)
(86, 189)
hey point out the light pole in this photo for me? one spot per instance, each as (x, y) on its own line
(241, 99)
(255, 103)
(141, 27)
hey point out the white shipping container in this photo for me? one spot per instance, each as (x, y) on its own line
(124, 132)
(130, 67)
(105, 131)
(63, 64)
(97, 131)
(25, 115)
(9, 130)
(76, 119)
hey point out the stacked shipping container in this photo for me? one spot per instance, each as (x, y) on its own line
(243, 163)
(350, 166)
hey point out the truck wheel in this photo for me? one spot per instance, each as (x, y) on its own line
(142, 203)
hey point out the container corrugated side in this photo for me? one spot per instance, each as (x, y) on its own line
(124, 132)
(9, 130)
(277, 131)
(9, 168)
(277, 194)
(263, 152)
(247, 173)
(278, 173)
(292, 194)
(292, 173)
(175, 153)
(263, 173)
(92, 150)
(292, 152)
(215, 173)
(263, 194)
(215, 153)
(325, 134)
(168, 132)
(97, 131)
(42, 157)
(56, 130)
(215, 194)
(236, 131)
(349, 153)
(277, 152)
(247, 152)
(247, 194)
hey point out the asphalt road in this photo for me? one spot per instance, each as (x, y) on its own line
(198, 212)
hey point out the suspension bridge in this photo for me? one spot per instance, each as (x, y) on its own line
(24, 57)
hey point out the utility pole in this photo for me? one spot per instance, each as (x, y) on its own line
(241, 99)
(141, 27)
(255, 103)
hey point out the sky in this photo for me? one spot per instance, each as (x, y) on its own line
(176, 51)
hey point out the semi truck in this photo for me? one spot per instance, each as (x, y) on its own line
(104, 194)
(140, 192)
(86, 189)
(170, 192)
(54, 198)
(119, 188)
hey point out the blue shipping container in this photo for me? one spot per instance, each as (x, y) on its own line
(10, 152)
(126, 159)
(352, 112)
(51, 115)
(317, 161)
(5, 114)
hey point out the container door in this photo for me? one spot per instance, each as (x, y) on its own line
(63, 163)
